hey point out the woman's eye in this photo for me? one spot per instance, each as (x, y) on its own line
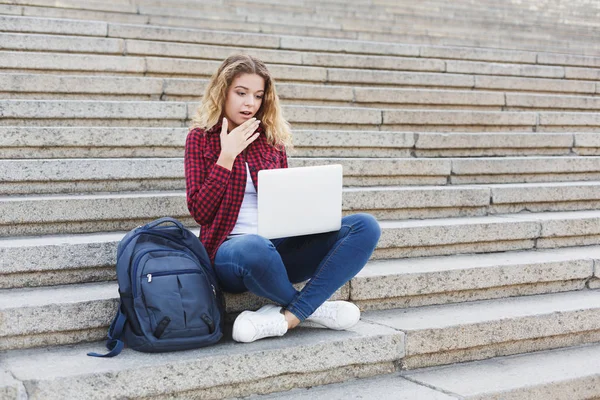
(259, 97)
(241, 93)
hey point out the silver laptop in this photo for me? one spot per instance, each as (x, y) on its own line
(299, 201)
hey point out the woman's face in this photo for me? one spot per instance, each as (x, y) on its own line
(244, 98)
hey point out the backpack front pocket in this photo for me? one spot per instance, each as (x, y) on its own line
(179, 302)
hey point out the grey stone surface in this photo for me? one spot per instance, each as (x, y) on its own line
(304, 43)
(455, 231)
(67, 142)
(21, 41)
(559, 374)
(545, 192)
(467, 53)
(205, 68)
(374, 139)
(190, 35)
(11, 10)
(332, 115)
(88, 208)
(379, 167)
(60, 85)
(549, 102)
(568, 59)
(417, 117)
(372, 62)
(90, 5)
(70, 62)
(480, 68)
(414, 197)
(337, 75)
(53, 26)
(188, 50)
(383, 387)
(582, 73)
(57, 109)
(494, 140)
(525, 165)
(422, 96)
(92, 169)
(72, 13)
(59, 308)
(462, 296)
(440, 329)
(530, 84)
(10, 388)
(299, 352)
(569, 119)
(421, 277)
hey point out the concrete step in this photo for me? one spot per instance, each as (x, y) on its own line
(22, 24)
(415, 282)
(570, 373)
(303, 357)
(78, 176)
(85, 257)
(472, 170)
(178, 114)
(95, 142)
(351, 29)
(52, 63)
(435, 335)
(30, 176)
(81, 313)
(277, 59)
(44, 86)
(78, 44)
(380, 285)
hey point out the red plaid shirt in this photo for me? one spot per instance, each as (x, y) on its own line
(215, 194)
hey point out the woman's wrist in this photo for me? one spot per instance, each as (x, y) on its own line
(226, 161)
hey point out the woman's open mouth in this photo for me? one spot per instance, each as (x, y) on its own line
(246, 114)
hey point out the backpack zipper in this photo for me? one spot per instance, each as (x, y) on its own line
(149, 277)
(136, 262)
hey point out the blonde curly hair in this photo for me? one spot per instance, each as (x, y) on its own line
(211, 109)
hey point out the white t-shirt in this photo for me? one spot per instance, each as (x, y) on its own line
(247, 221)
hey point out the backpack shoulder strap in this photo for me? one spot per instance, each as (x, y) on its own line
(114, 344)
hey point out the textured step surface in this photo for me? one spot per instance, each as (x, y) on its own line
(554, 375)
(314, 23)
(67, 314)
(96, 142)
(303, 357)
(90, 256)
(461, 332)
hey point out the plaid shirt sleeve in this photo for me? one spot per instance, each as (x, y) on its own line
(284, 162)
(205, 185)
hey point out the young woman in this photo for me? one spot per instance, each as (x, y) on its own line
(237, 131)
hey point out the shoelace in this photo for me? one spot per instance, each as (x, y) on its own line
(269, 327)
(327, 312)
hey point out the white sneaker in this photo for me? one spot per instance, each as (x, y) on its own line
(338, 315)
(253, 325)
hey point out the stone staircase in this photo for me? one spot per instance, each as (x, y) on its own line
(481, 164)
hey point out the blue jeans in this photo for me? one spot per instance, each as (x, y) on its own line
(269, 267)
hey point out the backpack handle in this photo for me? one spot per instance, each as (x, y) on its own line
(165, 220)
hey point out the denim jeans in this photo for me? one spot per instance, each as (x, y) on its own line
(269, 267)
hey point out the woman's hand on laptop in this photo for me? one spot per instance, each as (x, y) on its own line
(234, 142)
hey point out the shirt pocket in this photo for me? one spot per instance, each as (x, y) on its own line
(270, 161)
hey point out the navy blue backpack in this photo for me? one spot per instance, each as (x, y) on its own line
(170, 299)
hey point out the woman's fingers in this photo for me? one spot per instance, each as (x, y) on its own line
(252, 138)
(224, 126)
